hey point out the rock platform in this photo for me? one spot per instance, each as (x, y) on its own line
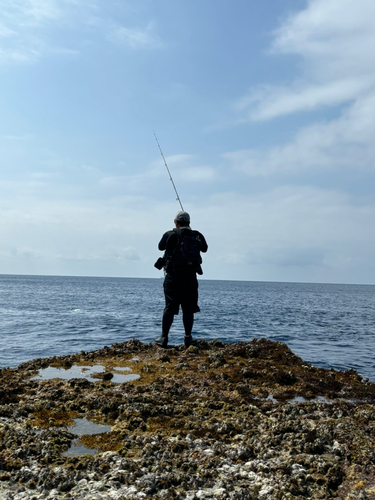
(217, 421)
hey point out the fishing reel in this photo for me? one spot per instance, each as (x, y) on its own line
(160, 263)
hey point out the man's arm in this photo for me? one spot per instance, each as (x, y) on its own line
(163, 242)
(203, 243)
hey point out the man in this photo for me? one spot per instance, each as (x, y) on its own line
(182, 262)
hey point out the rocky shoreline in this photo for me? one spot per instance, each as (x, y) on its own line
(222, 421)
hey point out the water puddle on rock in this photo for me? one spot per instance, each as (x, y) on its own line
(84, 427)
(301, 399)
(295, 400)
(87, 372)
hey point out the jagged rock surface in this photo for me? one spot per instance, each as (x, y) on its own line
(225, 421)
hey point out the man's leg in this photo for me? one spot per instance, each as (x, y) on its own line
(189, 307)
(166, 323)
(165, 327)
(171, 308)
(188, 321)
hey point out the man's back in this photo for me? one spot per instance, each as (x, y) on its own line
(182, 250)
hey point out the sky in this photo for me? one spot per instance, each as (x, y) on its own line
(265, 113)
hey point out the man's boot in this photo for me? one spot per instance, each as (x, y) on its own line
(162, 341)
(189, 340)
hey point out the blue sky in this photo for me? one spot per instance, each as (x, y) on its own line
(265, 112)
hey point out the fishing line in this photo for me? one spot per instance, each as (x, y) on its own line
(170, 176)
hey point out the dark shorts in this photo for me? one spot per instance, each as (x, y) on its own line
(181, 291)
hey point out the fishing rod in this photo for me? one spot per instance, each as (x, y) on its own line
(170, 176)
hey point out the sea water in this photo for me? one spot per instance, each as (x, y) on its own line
(326, 324)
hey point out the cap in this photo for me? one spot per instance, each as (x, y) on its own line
(182, 217)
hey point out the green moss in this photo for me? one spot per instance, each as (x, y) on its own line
(53, 418)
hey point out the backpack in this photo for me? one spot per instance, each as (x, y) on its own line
(186, 254)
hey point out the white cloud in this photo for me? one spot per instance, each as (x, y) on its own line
(343, 143)
(120, 254)
(330, 28)
(10, 137)
(298, 227)
(178, 159)
(6, 31)
(183, 168)
(135, 38)
(26, 35)
(290, 227)
(29, 12)
(335, 41)
(22, 24)
(270, 102)
(20, 252)
(198, 174)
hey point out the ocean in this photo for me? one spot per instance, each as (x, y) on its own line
(328, 325)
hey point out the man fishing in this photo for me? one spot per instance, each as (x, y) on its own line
(181, 262)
